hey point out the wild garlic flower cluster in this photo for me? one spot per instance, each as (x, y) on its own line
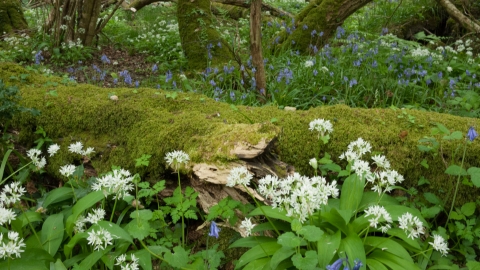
(383, 178)
(439, 244)
(239, 176)
(38, 161)
(67, 170)
(121, 261)
(247, 225)
(300, 196)
(77, 148)
(93, 218)
(412, 225)
(118, 183)
(379, 215)
(99, 239)
(322, 126)
(13, 246)
(176, 158)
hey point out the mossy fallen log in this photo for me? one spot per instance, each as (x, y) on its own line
(150, 122)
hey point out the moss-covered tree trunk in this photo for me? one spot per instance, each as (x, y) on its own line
(323, 16)
(201, 42)
(11, 16)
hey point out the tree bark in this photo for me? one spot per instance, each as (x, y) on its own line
(458, 16)
(323, 16)
(202, 44)
(11, 16)
(256, 45)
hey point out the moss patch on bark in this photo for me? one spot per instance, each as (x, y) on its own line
(150, 123)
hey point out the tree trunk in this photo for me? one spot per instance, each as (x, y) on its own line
(256, 45)
(90, 11)
(202, 44)
(323, 16)
(458, 16)
(11, 16)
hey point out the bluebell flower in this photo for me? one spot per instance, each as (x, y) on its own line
(70, 70)
(313, 33)
(219, 44)
(357, 63)
(451, 83)
(158, 86)
(115, 81)
(384, 31)
(212, 82)
(428, 81)
(174, 83)
(137, 84)
(340, 32)
(254, 70)
(232, 95)
(315, 72)
(262, 91)
(305, 27)
(336, 265)
(154, 68)
(440, 75)
(374, 64)
(321, 34)
(168, 76)
(467, 72)
(105, 59)
(324, 98)
(471, 134)
(269, 23)
(352, 82)
(38, 58)
(244, 96)
(357, 264)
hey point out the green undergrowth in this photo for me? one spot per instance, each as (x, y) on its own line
(155, 122)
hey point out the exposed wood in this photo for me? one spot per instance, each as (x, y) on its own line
(458, 16)
(265, 7)
(256, 45)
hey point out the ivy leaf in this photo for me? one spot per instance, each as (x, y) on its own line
(138, 229)
(178, 259)
(311, 233)
(308, 262)
(289, 239)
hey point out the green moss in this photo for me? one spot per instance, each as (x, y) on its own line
(146, 123)
(11, 16)
(197, 31)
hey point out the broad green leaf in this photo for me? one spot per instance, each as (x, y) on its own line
(270, 212)
(289, 239)
(311, 233)
(116, 231)
(296, 225)
(23, 264)
(431, 212)
(388, 245)
(178, 259)
(442, 129)
(307, 262)
(58, 265)
(251, 241)
(4, 163)
(392, 260)
(473, 265)
(327, 247)
(67, 249)
(456, 216)
(93, 258)
(138, 229)
(353, 247)
(74, 260)
(269, 226)
(338, 218)
(58, 195)
(259, 251)
(280, 255)
(373, 198)
(455, 170)
(22, 220)
(474, 173)
(257, 264)
(83, 204)
(352, 193)
(456, 135)
(432, 198)
(403, 236)
(468, 209)
(375, 265)
(52, 233)
(142, 214)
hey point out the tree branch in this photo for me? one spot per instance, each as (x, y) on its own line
(458, 16)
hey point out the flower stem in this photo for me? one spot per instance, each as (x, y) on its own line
(456, 187)
(114, 206)
(31, 226)
(261, 209)
(181, 207)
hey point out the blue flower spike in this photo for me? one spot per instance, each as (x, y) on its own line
(336, 265)
(471, 134)
(357, 264)
(214, 230)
